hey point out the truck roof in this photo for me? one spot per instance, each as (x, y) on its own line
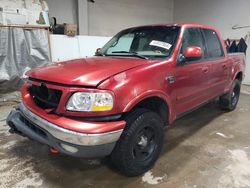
(180, 25)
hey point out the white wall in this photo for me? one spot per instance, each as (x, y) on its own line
(107, 17)
(66, 48)
(223, 14)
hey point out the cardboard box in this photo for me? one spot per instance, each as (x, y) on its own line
(70, 30)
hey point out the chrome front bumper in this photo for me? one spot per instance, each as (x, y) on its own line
(66, 135)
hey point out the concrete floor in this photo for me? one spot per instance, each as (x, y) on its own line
(207, 148)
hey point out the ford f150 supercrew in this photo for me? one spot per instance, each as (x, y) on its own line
(118, 102)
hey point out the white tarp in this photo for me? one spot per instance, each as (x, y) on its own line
(20, 50)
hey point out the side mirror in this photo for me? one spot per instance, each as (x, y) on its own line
(193, 53)
(97, 52)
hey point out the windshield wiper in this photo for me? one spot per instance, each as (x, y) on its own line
(99, 54)
(132, 53)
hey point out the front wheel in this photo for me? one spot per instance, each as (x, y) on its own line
(230, 100)
(140, 143)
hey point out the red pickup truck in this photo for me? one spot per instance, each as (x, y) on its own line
(117, 103)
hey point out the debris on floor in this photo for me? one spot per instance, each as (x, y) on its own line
(150, 179)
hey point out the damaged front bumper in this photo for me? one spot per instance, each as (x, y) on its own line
(27, 123)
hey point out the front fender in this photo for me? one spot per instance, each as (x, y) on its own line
(145, 95)
(148, 94)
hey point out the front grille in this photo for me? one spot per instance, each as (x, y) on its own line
(44, 97)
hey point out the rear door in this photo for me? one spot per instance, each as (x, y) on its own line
(191, 77)
(220, 67)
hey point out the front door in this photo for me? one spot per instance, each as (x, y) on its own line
(192, 76)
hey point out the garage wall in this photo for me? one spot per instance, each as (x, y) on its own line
(107, 17)
(222, 14)
(64, 10)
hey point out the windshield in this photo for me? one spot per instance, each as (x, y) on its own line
(143, 42)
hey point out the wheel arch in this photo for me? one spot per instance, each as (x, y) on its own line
(156, 102)
(239, 76)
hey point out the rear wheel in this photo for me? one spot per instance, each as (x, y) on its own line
(140, 143)
(230, 100)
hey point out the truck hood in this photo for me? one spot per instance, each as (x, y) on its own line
(84, 72)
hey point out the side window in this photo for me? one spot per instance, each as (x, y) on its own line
(214, 48)
(192, 37)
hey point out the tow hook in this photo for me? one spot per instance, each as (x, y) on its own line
(53, 150)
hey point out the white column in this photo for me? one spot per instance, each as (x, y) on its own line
(83, 21)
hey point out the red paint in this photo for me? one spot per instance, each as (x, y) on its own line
(84, 72)
(132, 80)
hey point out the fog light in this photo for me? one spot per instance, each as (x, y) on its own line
(70, 149)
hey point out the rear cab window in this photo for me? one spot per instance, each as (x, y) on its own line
(214, 48)
(206, 39)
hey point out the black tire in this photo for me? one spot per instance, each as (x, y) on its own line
(140, 143)
(229, 101)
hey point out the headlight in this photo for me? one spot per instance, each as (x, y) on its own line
(90, 102)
